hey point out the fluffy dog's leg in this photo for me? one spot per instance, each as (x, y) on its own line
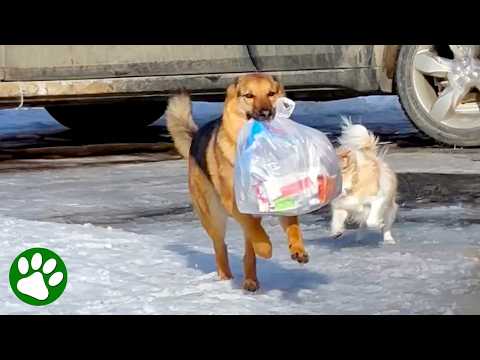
(339, 216)
(295, 238)
(390, 215)
(375, 216)
(212, 215)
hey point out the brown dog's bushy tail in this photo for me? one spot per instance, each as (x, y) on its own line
(180, 122)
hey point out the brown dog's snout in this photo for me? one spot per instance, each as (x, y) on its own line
(264, 114)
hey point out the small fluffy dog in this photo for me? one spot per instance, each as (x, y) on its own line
(369, 185)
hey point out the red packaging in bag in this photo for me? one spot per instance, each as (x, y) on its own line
(296, 187)
(326, 188)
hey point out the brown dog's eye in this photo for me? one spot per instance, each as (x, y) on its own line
(249, 96)
(271, 93)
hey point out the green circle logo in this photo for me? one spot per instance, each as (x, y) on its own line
(38, 276)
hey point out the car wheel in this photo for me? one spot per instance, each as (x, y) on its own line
(438, 87)
(108, 117)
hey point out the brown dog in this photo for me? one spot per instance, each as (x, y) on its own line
(211, 157)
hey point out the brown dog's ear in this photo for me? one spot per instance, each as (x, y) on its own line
(232, 90)
(279, 87)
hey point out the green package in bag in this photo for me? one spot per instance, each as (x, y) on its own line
(283, 204)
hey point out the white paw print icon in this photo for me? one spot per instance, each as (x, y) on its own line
(34, 285)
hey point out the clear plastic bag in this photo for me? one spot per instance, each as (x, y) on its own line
(283, 167)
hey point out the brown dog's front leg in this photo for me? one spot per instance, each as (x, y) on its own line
(254, 232)
(250, 282)
(295, 238)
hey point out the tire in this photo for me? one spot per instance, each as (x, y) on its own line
(108, 117)
(419, 115)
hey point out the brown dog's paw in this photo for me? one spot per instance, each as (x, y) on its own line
(224, 277)
(251, 285)
(302, 258)
(299, 254)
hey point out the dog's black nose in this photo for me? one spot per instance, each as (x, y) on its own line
(264, 114)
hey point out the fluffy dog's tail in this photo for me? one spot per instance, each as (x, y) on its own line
(180, 122)
(357, 137)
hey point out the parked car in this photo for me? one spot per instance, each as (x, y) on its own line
(95, 87)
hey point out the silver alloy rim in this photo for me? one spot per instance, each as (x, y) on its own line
(446, 88)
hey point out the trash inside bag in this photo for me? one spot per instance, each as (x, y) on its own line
(283, 167)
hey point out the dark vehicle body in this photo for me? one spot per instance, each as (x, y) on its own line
(77, 82)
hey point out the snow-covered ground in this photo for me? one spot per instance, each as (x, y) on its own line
(133, 246)
(379, 113)
(27, 121)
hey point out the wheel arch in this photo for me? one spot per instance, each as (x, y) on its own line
(386, 57)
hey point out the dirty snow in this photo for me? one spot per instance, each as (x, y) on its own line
(133, 246)
(379, 113)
